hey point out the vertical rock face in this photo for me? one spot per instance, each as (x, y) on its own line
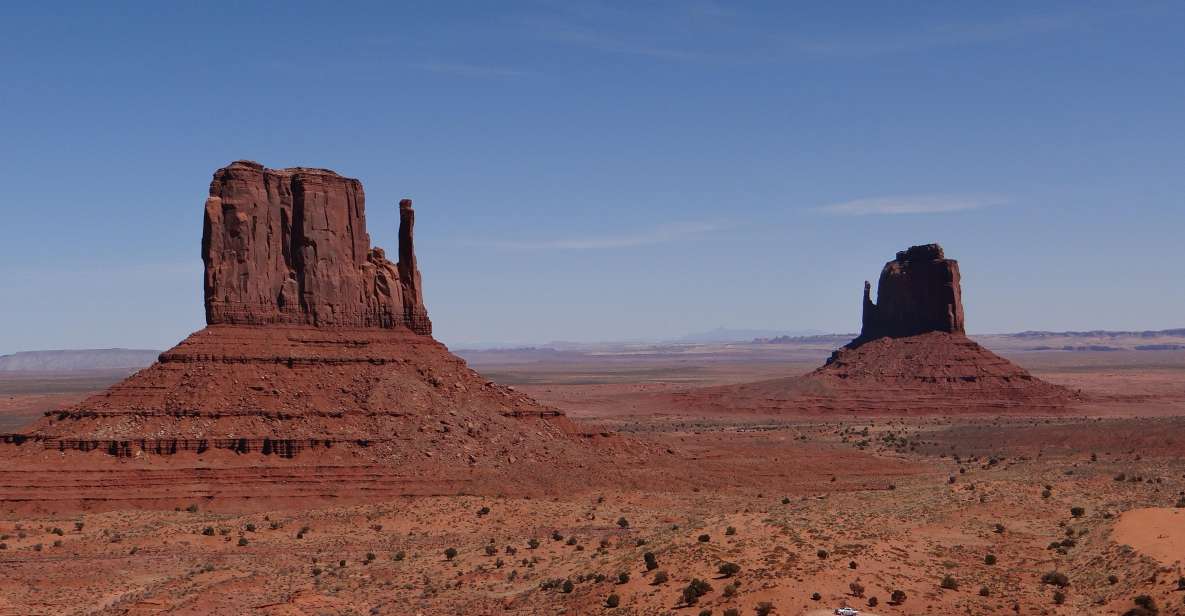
(918, 292)
(290, 246)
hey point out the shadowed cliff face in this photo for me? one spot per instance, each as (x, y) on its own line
(918, 292)
(290, 246)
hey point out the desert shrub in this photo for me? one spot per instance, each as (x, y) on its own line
(242, 541)
(1121, 477)
(857, 589)
(78, 526)
(728, 569)
(990, 559)
(208, 531)
(483, 511)
(556, 536)
(651, 561)
(785, 500)
(398, 556)
(450, 553)
(567, 586)
(532, 543)
(249, 527)
(730, 531)
(623, 577)
(1077, 511)
(1181, 583)
(57, 531)
(1112, 579)
(316, 571)
(192, 508)
(984, 591)
(1046, 493)
(370, 557)
(999, 528)
(897, 597)
(661, 577)
(491, 549)
(696, 589)
(765, 608)
(872, 602)
(1180, 503)
(613, 601)
(705, 612)
(816, 596)
(1059, 597)
(730, 590)
(3, 546)
(704, 538)
(1056, 578)
(622, 522)
(571, 541)
(732, 611)
(511, 550)
(949, 582)
(821, 554)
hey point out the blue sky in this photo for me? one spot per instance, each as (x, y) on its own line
(607, 170)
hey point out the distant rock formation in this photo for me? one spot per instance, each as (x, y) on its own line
(918, 292)
(290, 246)
(911, 357)
(77, 360)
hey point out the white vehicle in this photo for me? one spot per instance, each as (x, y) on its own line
(846, 611)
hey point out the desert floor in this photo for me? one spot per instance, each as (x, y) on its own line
(815, 513)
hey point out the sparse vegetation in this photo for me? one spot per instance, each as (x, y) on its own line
(949, 582)
(696, 589)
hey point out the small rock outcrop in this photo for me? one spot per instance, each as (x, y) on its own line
(918, 292)
(289, 246)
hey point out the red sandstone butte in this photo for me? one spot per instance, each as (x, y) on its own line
(918, 292)
(316, 377)
(290, 246)
(911, 357)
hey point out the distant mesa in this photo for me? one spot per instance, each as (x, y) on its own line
(912, 356)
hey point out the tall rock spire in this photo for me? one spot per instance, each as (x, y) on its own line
(290, 246)
(918, 292)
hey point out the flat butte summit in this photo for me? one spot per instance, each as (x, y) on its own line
(912, 356)
(316, 376)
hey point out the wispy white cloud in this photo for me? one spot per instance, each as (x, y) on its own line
(657, 235)
(928, 36)
(916, 204)
(468, 70)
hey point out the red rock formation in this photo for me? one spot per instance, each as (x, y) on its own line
(918, 292)
(911, 357)
(317, 372)
(290, 246)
